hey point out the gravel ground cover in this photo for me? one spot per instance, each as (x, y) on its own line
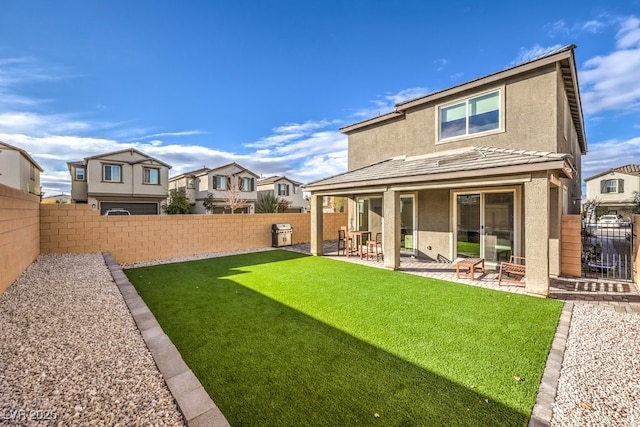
(71, 354)
(599, 382)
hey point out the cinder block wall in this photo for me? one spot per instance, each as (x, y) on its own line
(19, 233)
(78, 229)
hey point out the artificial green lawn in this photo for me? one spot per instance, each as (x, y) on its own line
(279, 338)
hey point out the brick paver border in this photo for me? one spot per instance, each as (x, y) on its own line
(193, 401)
(543, 408)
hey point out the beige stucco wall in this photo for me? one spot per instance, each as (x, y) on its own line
(19, 233)
(434, 224)
(78, 229)
(132, 169)
(530, 122)
(297, 200)
(631, 185)
(15, 172)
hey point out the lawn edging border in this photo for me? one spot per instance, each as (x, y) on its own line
(543, 409)
(196, 406)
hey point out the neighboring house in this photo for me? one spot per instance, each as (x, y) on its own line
(127, 179)
(18, 169)
(482, 169)
(286, 189)
(224, 184)
(615, 189)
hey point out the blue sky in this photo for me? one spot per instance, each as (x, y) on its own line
(269, 83)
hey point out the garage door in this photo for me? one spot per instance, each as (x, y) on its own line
(133, 208)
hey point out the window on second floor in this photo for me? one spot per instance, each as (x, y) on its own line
(191, 183)
(32, 172)
(612, 186)
(470, 116)
(283, 189)
(220, 183)
(151, 176)
(80, 174)
(246, 183)
(296, 189)
(112, 173)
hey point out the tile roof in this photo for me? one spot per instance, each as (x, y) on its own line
(469, 159)
(273, 179)
(630, 169)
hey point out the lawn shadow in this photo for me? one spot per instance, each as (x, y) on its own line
(265, 363)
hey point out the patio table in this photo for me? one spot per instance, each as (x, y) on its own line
(471, 264)
(360, 237)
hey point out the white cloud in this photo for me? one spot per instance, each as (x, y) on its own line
(440, 63)
(610, 81)
(182, 133)
(527, 54)
(387, 102)
(609, 154)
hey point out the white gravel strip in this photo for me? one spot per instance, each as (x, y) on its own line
(71, 354)
(599, 382)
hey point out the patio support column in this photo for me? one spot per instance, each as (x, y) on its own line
(536, 219)
(391, 231)
(317, 229)
(555, 217)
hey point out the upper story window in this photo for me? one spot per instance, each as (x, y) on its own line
(80, 174)
(220, 183)
(296, 189)
(470, 116)
(612, 186)
(283, 189)
(246, 183)
(112, 173)
(151, 176)
(191, 183)
(32, 172)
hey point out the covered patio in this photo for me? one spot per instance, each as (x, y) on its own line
(477, 202)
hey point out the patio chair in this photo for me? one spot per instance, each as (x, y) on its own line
(374, 248)
(513, 271)
(344, 242)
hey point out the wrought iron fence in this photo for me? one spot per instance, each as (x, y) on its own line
(607, 250)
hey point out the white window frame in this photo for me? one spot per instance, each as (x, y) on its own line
(111, 165)
(221, 183)
(466, 135)
(147, 179)
(84, 176)
(285, 187)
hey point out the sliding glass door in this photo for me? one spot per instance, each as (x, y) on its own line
(485, 225)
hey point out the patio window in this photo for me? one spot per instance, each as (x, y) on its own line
(80, 174)
(470, 116)
(111, 173)
(612, 186)
(151, 176)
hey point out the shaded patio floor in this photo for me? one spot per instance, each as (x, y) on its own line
(619, 295)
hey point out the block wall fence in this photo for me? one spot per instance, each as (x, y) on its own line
(79, 229)
(19, 233)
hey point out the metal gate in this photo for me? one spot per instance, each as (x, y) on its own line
(607, 250)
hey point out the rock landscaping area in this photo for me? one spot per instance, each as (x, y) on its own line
(71, 354)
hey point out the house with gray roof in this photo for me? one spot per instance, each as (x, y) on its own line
(286, 189)
(125, 179)
(615, 189)
(18, 169)
(484, 169)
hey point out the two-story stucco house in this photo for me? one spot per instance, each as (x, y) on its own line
(286, 189)
(225, 184)
(18, 169)
(482, 169)
(127, 179)
(615, 189)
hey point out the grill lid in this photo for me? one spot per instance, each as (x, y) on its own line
(281, 227)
